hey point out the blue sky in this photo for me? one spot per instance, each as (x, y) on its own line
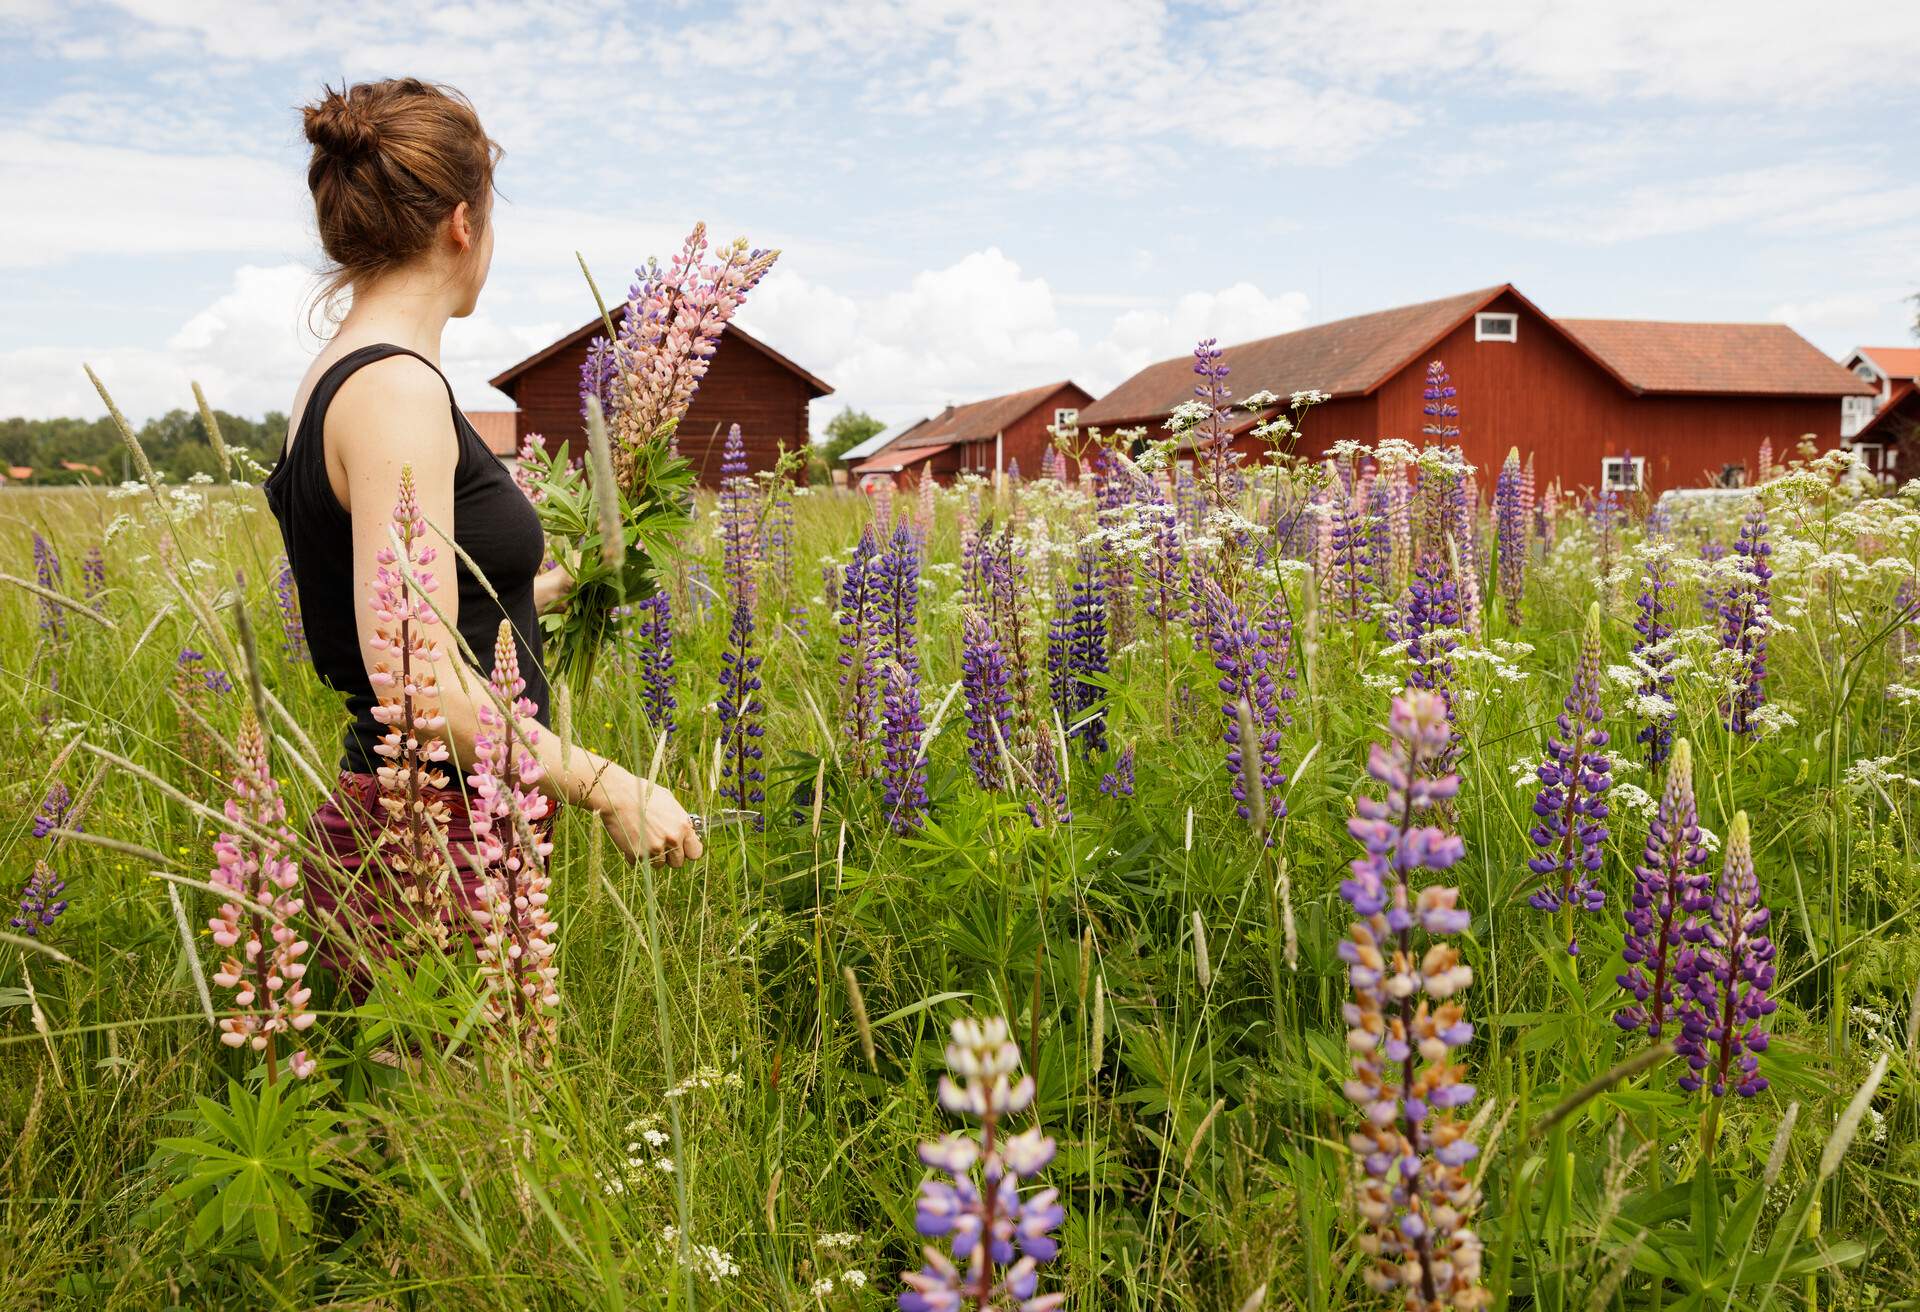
(970, 198)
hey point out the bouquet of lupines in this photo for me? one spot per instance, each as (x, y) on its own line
(608, 523)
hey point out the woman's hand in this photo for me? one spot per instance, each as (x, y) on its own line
(646, 819)
(550, 588)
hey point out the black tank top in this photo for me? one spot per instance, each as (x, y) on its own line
(493, 523)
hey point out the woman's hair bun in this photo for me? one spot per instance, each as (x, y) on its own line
(341, 128)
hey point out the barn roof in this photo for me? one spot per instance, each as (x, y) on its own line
(1893, 361)
(977, 420)
(1343, 357)
(507, 379)
(894, 459)
(496, 429)
(880, 441)
(1747, 359)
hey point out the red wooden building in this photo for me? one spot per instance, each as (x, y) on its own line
(982, 437)
(748, 383)
(1880, 426)
(1637, 403)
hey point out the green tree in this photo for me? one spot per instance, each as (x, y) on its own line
(847, 430)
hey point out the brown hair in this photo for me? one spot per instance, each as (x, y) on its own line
(390, 161)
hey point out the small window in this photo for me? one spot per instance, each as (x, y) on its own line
(1066, 419)
(1623, 473)
(1489, 326)
(1855, 412)
(1871, 455)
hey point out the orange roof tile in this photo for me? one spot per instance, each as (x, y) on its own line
(1894, 361)
(1752, 359)
(496, 429)
(977, 420)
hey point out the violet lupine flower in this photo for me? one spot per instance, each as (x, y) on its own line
(668, 333)
(983, 679)
(1510, 535)
(1347, 553)
(1723, 979)
(1405, 1022)
(46, 572)
(293, 632)
(1746, 615)
(653, 634)
(1118, 782)
(1051, 806)
(1427, 621)
(1013, 471)
(859, 649)
(998, 1239)
(896, 597)
(93, 577)
(1213, 434)
(1711, 550)
(599, 372)
(54, 810)
(740, 707)
(413, 749)
(260, 930)
(1245, 663)
(1572, 829)
(40, 901)
(1087, 655)
(510, 851)
(1669, 887)
(902, 761)
(1654, 660)
(1442, 414)
(739, 526)
(1060, 686)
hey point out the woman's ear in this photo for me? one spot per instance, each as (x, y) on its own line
(460, 227)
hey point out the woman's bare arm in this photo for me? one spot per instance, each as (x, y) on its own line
(393, 414)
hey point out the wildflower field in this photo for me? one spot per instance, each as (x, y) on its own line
(1158, 881)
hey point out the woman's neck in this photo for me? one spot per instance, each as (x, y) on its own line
(407, 309)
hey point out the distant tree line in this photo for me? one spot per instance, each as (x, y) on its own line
(176, 442)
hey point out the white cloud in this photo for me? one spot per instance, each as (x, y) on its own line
(981, 326)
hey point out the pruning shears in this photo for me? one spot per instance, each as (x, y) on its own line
(728, 819)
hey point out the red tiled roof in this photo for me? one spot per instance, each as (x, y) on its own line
(1343, 357)
(1753, 359)
(1894, 361)
(977, 420)
(496, 429)
(509, 378)
(894, 458)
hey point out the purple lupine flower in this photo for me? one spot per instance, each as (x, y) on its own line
(93, 577)
(1118, 782)
(1245, 664)
(1087, 655)
(293, 632)
(653, 634)
(997, 1237)
(1654, 660)
(54, 809)
(46, 572)
(1746, 616)
(1442, 414)
(1571, 805)
(40, 901)
(1348, 562)
(1060, 691)
(598, 373)
(740, 707)
(1668, 888)
(1013, 471)
(1428, 618)
(903, 769)
(859, 648)
(1161, 520)
(1711, 551)
(896, 597)
(739, 521)
(1213, 434)
(1405, 1023)
(983, 678)
(1723, 978)
(1510, 535)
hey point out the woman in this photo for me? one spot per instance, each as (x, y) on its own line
(402, 182)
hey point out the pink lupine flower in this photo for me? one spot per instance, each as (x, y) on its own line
(516, 946)
(414, 744)
(259, 929)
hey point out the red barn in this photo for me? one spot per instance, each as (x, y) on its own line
(748, 383)
(1639, 404)
(982, 437)
(1880, 425)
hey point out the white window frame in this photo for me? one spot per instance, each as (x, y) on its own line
(1066, 419)
(1855, 412)
(1480, 333)
(1872, 454)
(1609, 465)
